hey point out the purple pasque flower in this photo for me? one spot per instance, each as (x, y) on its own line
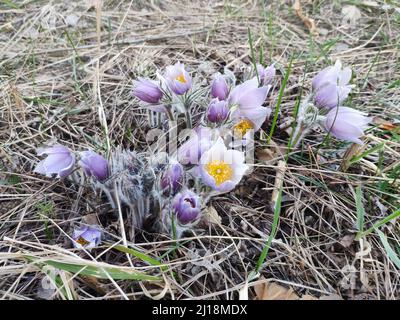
(222, 169)
(60, 161)
(346, 124)
(331, 86)
(331, 95)
(199, 142)
(94, 165)
(332, 75)
(147, 91)
(219, 87)
(172, 179)
(186, 206)
(177, 78)
(86, 237)
(217, 111)
(266, 75)
(249, 112)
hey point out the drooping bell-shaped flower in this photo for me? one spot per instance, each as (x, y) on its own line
(217, 111)
(172, 179)
(192, 149)
(331, 86)
(346, 124)
(147, 91)
(60, 161)
(222, 169)
(219, 87)
(177, 78)
(186, 206)
(94, 165)
(87, 237)
(266, 75)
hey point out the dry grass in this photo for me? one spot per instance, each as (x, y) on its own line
(72, 83)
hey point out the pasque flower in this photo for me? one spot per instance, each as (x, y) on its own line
(219, 87)
(60, 161)
(247, 99)
(172, 179)
(87, 237)
(94, 165)
(266, 75)
(192, 149)
(147, 91)
(331, 86)
(186, 206)
(346, 124)
(178, 79)
(222, 169)
(217, 111)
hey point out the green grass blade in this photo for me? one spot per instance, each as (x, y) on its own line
(390, 252)
(360, 210)
(279, 101)
(379, 223)
(274, 229)
(141, 256)
(365, 153)
(10, 4)
(253, 57)
(97, 272)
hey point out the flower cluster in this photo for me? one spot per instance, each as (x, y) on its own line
(324, 107)
(233, 111)
(173, 188)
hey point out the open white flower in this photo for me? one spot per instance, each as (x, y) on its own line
(222, 169)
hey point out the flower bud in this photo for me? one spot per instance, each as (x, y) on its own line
(186, 205)
(217, 111)
(172, 179)
(147, 91)
(266, 75)
(219, 87)
(94, 165)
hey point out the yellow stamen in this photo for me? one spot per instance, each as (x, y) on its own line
(242, 127)
(220, 171)
(181, 78)
(82, 241)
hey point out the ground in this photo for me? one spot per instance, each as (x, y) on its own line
(66, 74)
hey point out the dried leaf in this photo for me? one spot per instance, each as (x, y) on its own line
(271, 154)
(274, 291)
(91, 219)
(280, 174)
(212, 215)
(308, 22)
(386, 125)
